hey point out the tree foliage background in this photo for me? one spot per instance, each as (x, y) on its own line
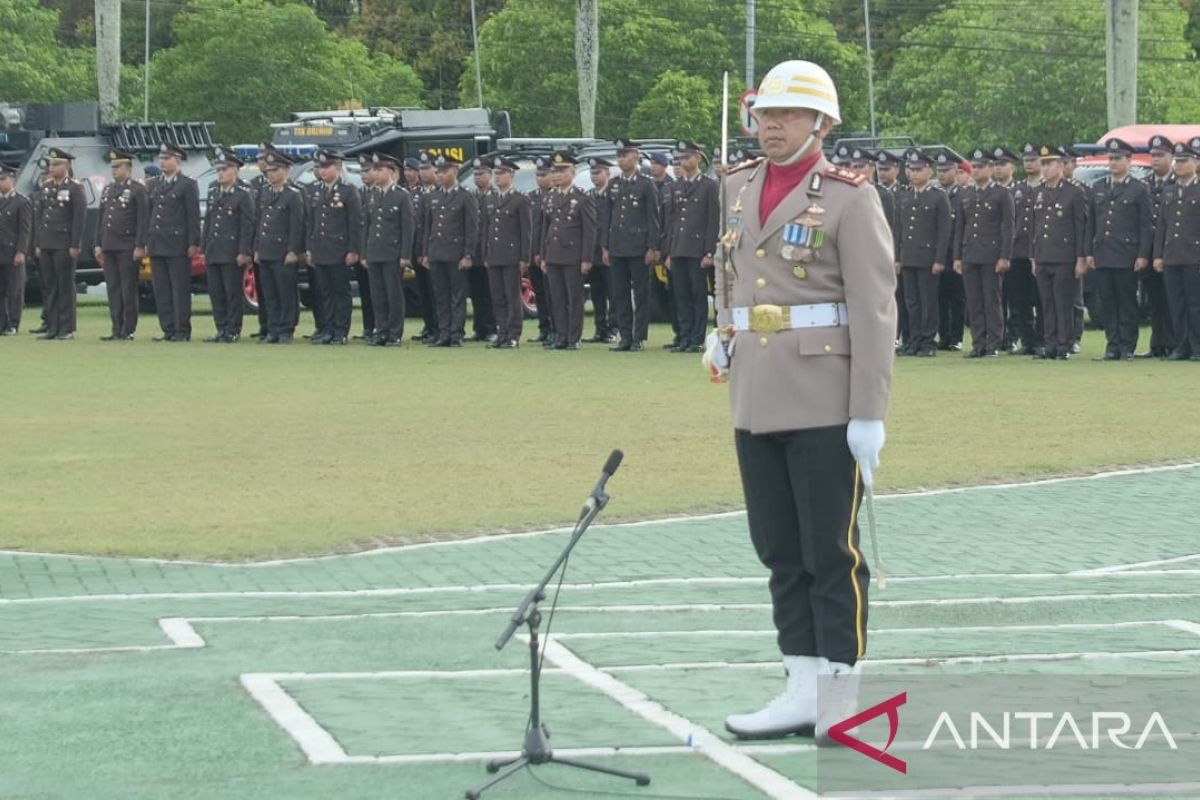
(963, 72)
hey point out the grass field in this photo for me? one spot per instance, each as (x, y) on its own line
(250, 451)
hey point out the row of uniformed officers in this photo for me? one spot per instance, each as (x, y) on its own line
(1019, 250)
(408, 216)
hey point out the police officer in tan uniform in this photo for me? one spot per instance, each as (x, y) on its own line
(58, 236)
(807, 319)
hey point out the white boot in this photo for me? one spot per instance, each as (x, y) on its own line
(794, 711)
(838, 698)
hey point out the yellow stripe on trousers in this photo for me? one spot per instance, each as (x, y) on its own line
(859, 628)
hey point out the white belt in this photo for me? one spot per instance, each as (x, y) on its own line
(771, 319)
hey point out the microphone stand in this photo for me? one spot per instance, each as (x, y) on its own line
(536, 748)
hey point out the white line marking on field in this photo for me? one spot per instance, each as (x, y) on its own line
(1185, 626)
(318, 746)
(715, 749)
(599, 528)
(1135, 567)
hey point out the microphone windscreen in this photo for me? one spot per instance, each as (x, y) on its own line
(614, 461)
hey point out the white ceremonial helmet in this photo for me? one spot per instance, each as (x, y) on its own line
(799, 84)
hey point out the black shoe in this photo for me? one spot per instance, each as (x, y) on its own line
(624, 346)
(1127, 356)
(674, 344)
(691, 348)
(1026, 351)
(925, 352)
(321, 338)
(992, 353)
(48, 336)
(637, 347)
(424, 334)
(975, 353)
(506, 344)
(40, 329)
(1179, 355)
(1194, 358)
(166, 337)
(455, 343)
(180, 337)
(109, 338)
(541, 337)
(596, 339)
(1045, 354)
(484, 337)
(64, 337)
(339, 340)
(127, 337)
(1064, 356)
(230, 338)
(1148, 354)
(284, 338)
(954, 347)
(8, 332)
(217, 339)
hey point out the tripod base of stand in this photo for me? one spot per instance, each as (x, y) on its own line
(537, 751)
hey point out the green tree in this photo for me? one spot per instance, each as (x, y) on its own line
(247, 63)
(35, 68)
(679, 106)
(434, 36)
(973, 75)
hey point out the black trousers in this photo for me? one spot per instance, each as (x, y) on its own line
(387, 299)
(983, 288)
(172, 277)
(450, 294)
(320, 302)
(60, 298)
(921, 297)
(1023, 321)
(952, 301)
(12, 296)
(600, 279)
(228, 297)
(802, 492)
(505, 285)
(1183, 294)
(283, 303)
(1118, 298)
(566, 293)
(483, 317)
(541, 296)
(903, 329)
(425, 293)
(44, 277)
(691, 299)
(336, 306)
(120, 277)
(364, 295)
(631, 296)
(260, 283)
(1162, 332)
(1058, 287)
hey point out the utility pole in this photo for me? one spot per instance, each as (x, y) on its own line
(146, 70)
(108, 58)
(870, 65)
(587, 62)
(478, 68)
(1122, 62)
(751, 24)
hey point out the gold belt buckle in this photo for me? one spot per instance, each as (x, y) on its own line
(766, 318)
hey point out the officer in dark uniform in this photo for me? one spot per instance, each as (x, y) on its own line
(921, 236)
(1177, 250)
(1120, 244)
(228, 241)
(659, 164)
(121, 243)
(172, 242)
(600, 277)
(390, 232)
(1162, 332)
(1080, 308)
(35, 200)
(483, 316)
(334, 242)
(278, 239)
(451, 230)
(1023, 316)
(887, 168)
(429, 310)
(951, 294)
(568, 241)
(862, 161)
(983, 242)
(366, 196)
(691, 244)
(412, 175)
(507, 241)
(631, 246)
(1059, 251)
(58, 236)
(537, 276)
(16, 243)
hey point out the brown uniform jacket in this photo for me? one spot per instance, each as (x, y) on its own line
(174, 216)
(124, 216)
(923, 227)
(984, 230)
(451, 225)
(694, 217)
(1177, 240)
(507, 233)
(569, 227)
(1059, 223)
(16, 227)
(61, 212)
(813, 377)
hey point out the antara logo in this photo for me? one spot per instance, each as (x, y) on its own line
(1106, 729)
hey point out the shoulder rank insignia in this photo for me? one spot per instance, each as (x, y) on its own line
(845, 176)
(754, 162)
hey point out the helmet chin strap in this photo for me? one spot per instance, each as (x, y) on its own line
(803, 149)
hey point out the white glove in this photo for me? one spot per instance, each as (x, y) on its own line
(716, 356)
(865, 438)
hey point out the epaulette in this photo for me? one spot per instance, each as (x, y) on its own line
(845, 175)
(754, 162)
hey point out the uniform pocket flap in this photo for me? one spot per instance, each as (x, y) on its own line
(824, 341)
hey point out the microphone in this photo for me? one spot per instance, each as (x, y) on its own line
(610, 466)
